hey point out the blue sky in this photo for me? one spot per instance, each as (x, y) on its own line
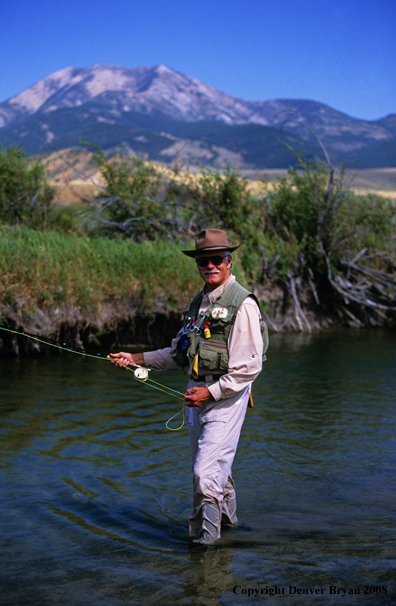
(338, 52)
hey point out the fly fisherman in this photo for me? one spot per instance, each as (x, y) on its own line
(223, 342)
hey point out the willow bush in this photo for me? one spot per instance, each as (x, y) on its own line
(341, 257)
(314, 211)
(25, 196)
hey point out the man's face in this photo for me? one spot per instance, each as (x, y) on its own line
(214, 274)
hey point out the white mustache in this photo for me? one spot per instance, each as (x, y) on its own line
(210, 273)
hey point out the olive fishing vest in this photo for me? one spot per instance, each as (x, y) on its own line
(210, 353)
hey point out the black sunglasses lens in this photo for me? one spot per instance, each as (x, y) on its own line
(204, 261)
(218, 260)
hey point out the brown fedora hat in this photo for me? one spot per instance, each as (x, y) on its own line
(210, 239)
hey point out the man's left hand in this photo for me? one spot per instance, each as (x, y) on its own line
(197, 396)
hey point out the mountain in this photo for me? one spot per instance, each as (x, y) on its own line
(162, 114)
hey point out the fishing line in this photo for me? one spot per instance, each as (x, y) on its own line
(78, 350)
(58, 344)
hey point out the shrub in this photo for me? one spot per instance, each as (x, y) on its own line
(25, 196)
(131, 203)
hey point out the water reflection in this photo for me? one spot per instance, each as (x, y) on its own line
(96, 492)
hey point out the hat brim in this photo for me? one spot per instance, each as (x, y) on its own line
(195, 253)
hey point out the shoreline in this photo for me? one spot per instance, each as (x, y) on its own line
(127, 324)
(111, 325)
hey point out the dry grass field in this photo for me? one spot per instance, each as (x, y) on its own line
(75, 176)
(380, 181)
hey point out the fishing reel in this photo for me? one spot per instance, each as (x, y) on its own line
(141, 373)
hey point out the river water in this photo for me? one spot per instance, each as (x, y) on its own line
(95, 491)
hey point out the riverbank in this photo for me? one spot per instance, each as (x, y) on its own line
(90, 291)
(109, 326)
(64, 285)
(132, 324)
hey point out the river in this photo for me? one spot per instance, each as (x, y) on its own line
(96, 491)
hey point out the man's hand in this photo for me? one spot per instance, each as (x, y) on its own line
(123, 359)
(197, 396)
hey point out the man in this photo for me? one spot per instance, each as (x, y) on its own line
(222, 344)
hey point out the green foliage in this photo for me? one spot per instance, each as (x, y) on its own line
(320, 230)
(305, 209)
(25, 196)
(294, 209)
(368, 222)
(67, 219)
(308, 225)
(131, 204)
(309, 219)
(223, 199)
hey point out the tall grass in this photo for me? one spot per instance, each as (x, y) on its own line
(44, 268)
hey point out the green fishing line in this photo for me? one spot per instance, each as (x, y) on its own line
(170, 392)
(150, 382)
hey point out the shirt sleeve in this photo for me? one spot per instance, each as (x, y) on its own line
(161, 358)
(245, 348)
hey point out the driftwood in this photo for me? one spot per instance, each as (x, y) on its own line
(298, 311)
(354, 294)
(363, 297)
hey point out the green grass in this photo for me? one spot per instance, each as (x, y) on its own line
(43, 268)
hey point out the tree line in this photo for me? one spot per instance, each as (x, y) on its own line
(329, 252)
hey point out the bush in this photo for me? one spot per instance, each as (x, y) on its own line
(224, 200)
(220, 198)
(25, 196)
(326, 221)
(131, 203)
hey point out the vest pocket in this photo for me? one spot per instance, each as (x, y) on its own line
(213, 355)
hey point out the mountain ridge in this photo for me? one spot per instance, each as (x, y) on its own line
(116, 96)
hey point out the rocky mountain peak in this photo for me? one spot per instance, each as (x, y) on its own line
(167, 104)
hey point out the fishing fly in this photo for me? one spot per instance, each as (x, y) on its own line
(140, 373)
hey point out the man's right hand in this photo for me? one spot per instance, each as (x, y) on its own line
(124, 359)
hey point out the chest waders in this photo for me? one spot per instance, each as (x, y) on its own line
(211, 354)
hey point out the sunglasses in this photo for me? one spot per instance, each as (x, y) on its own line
(216, 260)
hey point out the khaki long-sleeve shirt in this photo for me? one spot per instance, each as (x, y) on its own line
(245, 348)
